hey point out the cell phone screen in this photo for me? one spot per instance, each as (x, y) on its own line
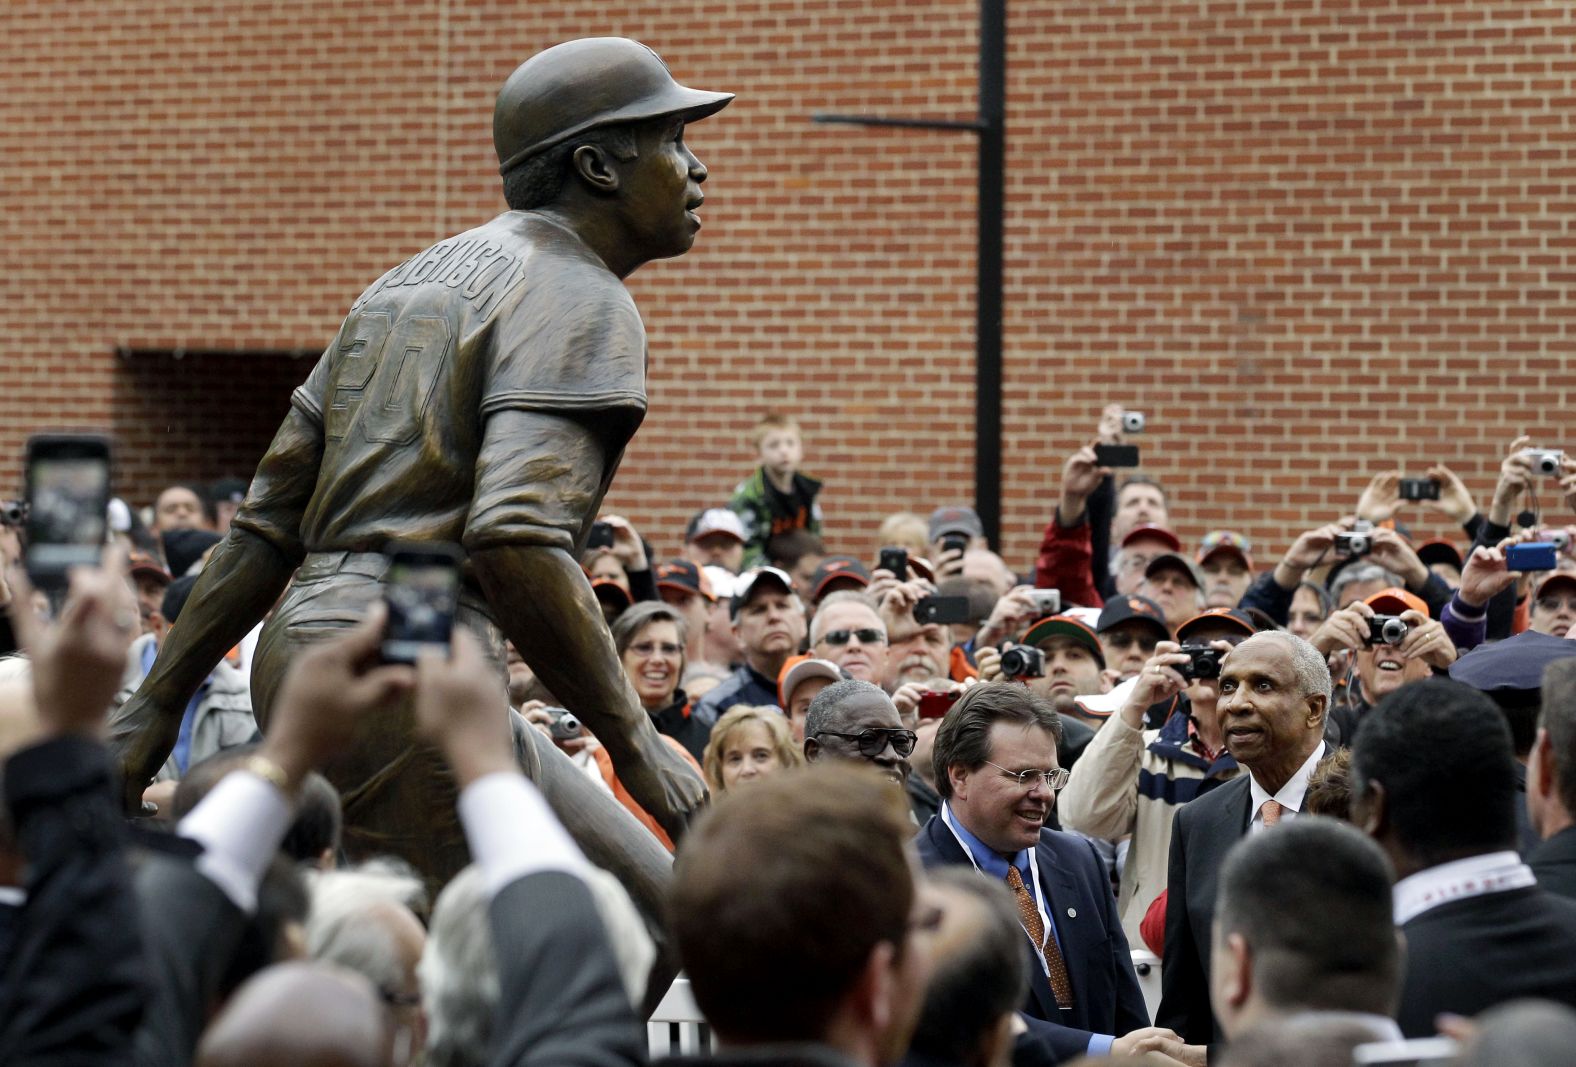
(1116, 455)
(423, 592)
(68, 505)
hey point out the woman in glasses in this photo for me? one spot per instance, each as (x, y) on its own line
(650, 640)
(746, 744)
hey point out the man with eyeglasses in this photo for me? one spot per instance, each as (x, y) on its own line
(997, 773)
(848, 631)
(1129, 628)
(854, 720)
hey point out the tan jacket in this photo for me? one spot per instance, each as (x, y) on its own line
(1131, 782)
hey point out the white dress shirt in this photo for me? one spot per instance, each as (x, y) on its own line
(1289, 797)
(1492, 872)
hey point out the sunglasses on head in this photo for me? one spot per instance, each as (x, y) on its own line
(874, 741)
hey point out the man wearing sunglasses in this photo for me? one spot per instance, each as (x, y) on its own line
(997, 773)
(854, 720)
(848, 631)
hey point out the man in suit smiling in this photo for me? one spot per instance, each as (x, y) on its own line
(997, 774)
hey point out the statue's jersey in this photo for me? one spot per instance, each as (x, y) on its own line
(517, 314)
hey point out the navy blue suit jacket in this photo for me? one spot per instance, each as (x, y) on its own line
(1106, 997)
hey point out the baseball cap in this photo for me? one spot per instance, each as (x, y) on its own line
(1567, 577)
(749, 581)
(1229, 616)
(955, 519)
(921, 568)
(834, 569)
(684, 576)
(1065, 626)
(610, 592)
(183, 548)
(228, 489)
(1225, 541)
(1120, 609)
(1158, 533)
(800, 669)
(1440, 550)
(1393, 601)
(1512, 665)
(714, 521)
(1173, 560)
(144, 565)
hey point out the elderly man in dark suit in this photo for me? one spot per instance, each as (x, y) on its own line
(1434, 782)
(997, 773)
(1551, 782)
(1274, 699)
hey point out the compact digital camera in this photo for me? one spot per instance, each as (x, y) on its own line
(1022, 661)
(1203, 662)
(1387, 630)
(1132, 422)
(1358, 542)
(1545, 461)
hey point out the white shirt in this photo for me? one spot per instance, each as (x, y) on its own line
(1492, 872)
(1290, 796)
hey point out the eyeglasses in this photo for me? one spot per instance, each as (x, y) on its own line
(649, 648)
(839, 638)
(875, 741)
(1053, 777)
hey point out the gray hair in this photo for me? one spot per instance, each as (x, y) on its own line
(1307, 663)
(828, 703)
(459, 973)
(1360, 572)
(342, 925)
(841, 596)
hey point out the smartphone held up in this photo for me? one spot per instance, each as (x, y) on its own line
(422, 590)
(67, 512)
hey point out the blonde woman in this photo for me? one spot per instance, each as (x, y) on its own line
(748, 743)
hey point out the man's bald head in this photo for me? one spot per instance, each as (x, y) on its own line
(302, 1014)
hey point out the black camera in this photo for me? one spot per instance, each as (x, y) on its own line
(1387, 630)
(13, 512)
(1202, 662)
(1359, 542)
(1022, 661)
(565, 727)
(1419, 489)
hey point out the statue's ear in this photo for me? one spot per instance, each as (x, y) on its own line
(591, 165)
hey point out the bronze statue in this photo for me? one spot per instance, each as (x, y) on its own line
(481, 392)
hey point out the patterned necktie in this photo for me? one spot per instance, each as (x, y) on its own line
(1270, 811)
(1030, 916)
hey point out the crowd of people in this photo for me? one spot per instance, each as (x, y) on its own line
(1334, 796)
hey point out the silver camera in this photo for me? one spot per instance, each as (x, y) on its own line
(1046, 601)
(1132, 422)
(565, 726)
(1545, 461)
(1359, 542)
(1560, 539)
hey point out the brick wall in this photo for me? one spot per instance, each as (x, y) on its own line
(1308, 238)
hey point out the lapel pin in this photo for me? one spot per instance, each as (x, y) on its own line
(1072, 913)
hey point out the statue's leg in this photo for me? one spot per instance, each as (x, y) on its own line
(398, 795)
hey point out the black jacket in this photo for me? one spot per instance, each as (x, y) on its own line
(1468, 955)
(1554, 862)
(678, 721)
(1205, 829)
(71, 986)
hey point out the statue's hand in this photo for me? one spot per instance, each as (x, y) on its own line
(665, 784)
(138, 748)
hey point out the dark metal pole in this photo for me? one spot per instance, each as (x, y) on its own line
(988, 299)
(991, 125)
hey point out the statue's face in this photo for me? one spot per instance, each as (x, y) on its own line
(660, 191)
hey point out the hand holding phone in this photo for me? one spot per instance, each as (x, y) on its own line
(894, 559)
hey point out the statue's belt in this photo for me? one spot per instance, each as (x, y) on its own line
(320, 565)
